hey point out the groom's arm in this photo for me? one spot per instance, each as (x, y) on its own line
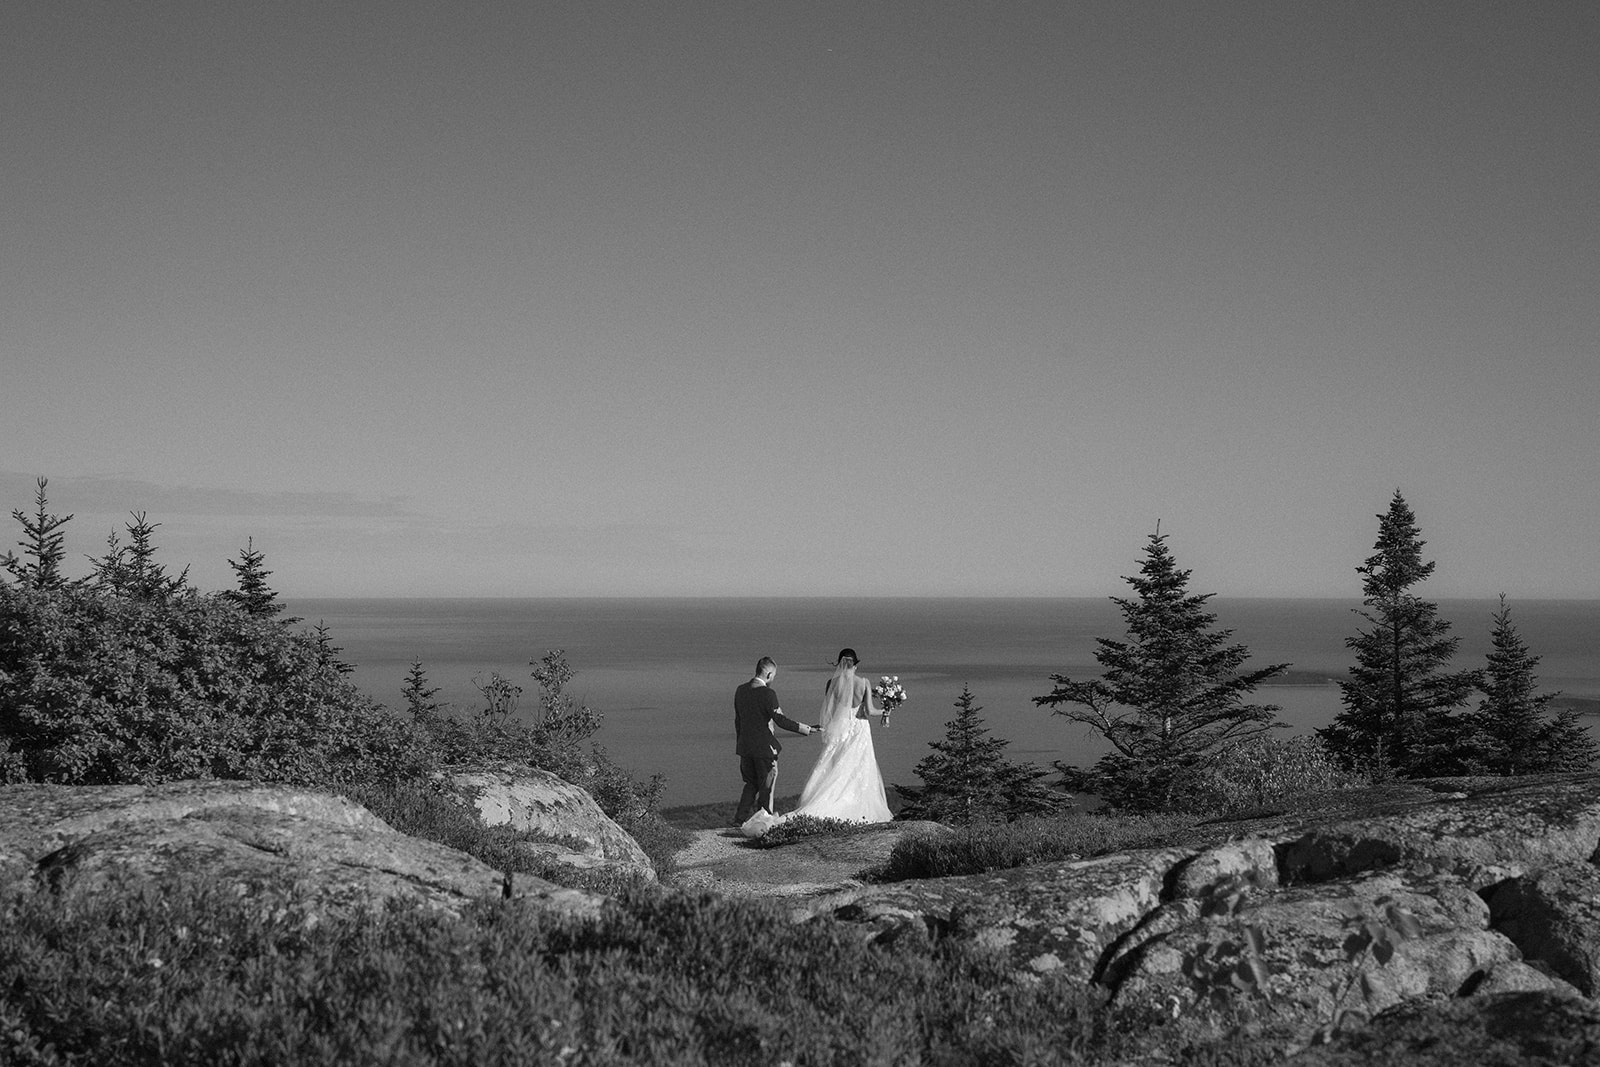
(780, 719)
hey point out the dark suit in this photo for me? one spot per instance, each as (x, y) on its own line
(755, 713)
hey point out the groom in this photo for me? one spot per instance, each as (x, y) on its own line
(755, 713)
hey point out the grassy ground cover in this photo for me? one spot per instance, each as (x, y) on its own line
(997, 846)
(204, 977)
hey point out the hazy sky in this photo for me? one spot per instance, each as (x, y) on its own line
(806, 298)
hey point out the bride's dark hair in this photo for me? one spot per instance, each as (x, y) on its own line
(855, 660)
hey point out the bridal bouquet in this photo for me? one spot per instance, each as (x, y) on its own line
(891, 694)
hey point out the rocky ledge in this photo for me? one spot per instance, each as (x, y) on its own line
(264, 840)
(1418, 894)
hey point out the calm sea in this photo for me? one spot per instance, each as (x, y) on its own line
(663, 671)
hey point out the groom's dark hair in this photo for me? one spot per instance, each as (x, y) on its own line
(763, 663)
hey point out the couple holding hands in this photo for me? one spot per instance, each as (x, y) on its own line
(845, 784)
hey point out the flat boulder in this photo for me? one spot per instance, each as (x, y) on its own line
(263, 839)
(1048, 917)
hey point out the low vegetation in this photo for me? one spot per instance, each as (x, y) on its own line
(199, 976)
(1267, 773)
(800, 827)
(990, 846)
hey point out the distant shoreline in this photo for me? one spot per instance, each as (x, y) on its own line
(1581, 705)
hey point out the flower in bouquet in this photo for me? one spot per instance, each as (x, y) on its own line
(890, 693)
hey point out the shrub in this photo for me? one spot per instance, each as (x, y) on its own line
(1265, 772)
(98, 688)
(984, 847)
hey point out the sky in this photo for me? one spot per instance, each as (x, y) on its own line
(806, 298)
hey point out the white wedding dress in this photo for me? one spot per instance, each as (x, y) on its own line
(846, 783)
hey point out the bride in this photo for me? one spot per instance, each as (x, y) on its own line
(845, 783)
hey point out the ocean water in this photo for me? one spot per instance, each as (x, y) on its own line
(663, 671)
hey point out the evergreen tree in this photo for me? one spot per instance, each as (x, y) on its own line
(131, 570)
(420, 697)
(253, 594)
(1513, 733)
(43, 542)
(968, 777)
(1401, 699)
(1171, 697)
(327, 651)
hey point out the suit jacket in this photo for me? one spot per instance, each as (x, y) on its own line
(755, 713)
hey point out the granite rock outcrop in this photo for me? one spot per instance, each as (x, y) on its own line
(575, 833)
(1423, 891)
(262, 839)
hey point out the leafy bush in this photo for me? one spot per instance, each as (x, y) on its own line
(659, 839)
(984, 847)
(1265, 772)
(99, 688)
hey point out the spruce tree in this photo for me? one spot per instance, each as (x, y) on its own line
(1401, 701)
(131, 570)
(1171, 698)
(968, 777)
(421, 698)
(253, 594)
(327, 651)
(43, 542)
(1513, 731)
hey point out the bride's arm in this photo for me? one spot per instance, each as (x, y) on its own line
(866, 698)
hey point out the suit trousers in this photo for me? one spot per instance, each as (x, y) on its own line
(760, 774)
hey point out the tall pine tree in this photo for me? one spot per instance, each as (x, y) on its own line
(968, 777)
(43, 543)
(1514, 732)
(1401, 701)
(1171, 697)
